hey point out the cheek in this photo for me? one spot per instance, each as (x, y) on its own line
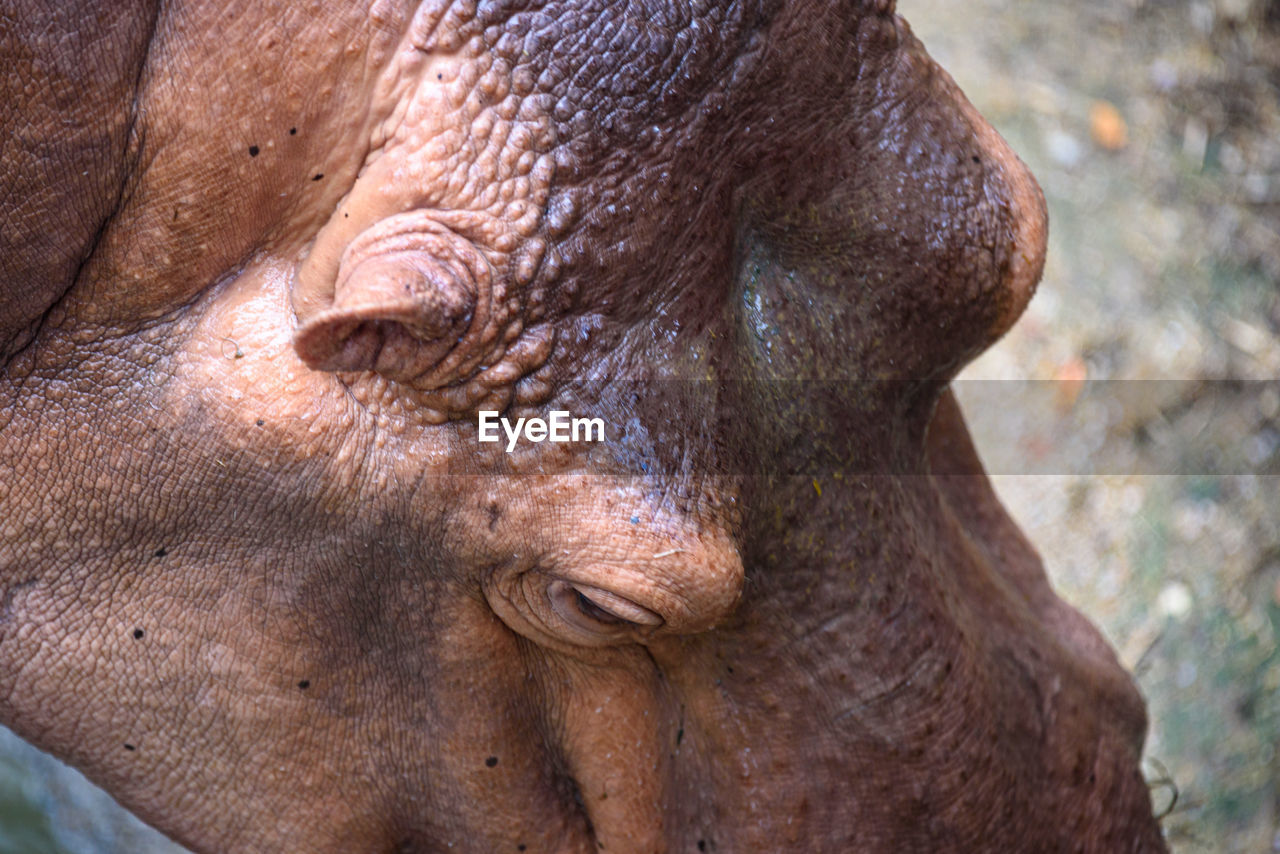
(238, 368)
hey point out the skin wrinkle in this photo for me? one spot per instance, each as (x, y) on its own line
(723, 242)
(44, 284)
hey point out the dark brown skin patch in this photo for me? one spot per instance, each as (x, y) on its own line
(780, 609)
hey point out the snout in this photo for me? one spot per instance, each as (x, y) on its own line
(993, 204)
(969, 224)
(1023, 205)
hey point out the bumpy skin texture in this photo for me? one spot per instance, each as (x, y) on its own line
(258, 577)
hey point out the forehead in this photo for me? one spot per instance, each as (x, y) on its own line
(616, 75)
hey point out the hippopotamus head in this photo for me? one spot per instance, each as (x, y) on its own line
(279, 575)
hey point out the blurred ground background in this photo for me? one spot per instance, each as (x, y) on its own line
(1131, 419)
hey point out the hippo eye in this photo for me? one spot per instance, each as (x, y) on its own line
(594, 611)
(592, 608)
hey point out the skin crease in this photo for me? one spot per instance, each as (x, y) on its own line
(259, 579)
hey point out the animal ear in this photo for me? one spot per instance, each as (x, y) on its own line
(404, 299)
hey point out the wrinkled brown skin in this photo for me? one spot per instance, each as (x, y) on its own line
(239, 403)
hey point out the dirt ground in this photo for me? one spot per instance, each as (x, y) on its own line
(1131, 419)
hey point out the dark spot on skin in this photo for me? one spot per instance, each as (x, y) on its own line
(977, 159)
(161, 552)
(494, 515)
(702, 845)
(130, 747)
(729, 668)
(345, 215)
(304, 684)
(679, 736)
(293, 131)
(521, 847)
(318, 176)
(138, 633)
(491, 761)
(439, 76)
(261, 422)
(253, 151)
